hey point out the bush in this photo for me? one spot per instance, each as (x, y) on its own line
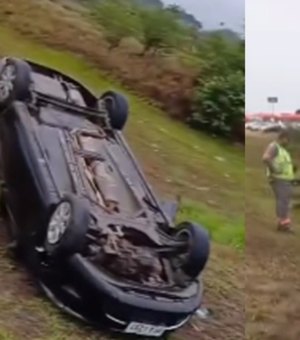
(219, 104)
(120, 19)
(161, 30)
(219, 99)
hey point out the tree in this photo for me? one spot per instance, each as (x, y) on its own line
(186, 18)
(222, 55)
(219, 98)
(161, 30)
(219, 104)
(120, 19)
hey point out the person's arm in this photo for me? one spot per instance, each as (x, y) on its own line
(268, 157)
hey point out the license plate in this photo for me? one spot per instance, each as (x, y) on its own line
(143, 329)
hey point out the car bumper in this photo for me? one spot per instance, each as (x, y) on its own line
(121, 307)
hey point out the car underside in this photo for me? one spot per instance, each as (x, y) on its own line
(99, 220)
(125, 235)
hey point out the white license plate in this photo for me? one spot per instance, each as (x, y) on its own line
(143, 329)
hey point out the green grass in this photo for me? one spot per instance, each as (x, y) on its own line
(222, 230)
(4, 335)
(208, 173)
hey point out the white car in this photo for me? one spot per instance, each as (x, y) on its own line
(254, 126)
(273, 127)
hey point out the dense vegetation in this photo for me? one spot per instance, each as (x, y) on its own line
(219, 100)
(216, 100)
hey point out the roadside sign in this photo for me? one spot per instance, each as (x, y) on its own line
(273, 100)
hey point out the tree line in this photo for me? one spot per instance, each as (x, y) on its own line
(217, 104)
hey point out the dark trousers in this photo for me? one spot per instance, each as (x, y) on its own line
(283, 194)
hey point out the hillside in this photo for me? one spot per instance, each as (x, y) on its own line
(145, 3)
(150, 53)
(150, 3)
(185, 17)
(225, 33)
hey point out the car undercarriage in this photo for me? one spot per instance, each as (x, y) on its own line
(83, 208)
(132, 251)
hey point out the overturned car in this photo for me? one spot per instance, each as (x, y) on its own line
(78, 207)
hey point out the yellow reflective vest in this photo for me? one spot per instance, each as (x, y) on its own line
(283, 165)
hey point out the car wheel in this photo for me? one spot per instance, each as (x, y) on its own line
(198, 250)
(117, 108)
(66, 227)
(15, 81)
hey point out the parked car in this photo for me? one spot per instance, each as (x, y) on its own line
(254, 126)
(78, 207)
(273, 127)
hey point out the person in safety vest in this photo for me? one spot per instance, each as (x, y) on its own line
(280, 173)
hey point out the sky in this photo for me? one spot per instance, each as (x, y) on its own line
(212, 12)
(272, 55)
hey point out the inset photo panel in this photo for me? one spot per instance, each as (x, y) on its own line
(272, 191)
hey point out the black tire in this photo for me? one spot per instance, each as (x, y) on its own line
(15, 81)
(117, 107)
(198, 248)
(72, 239)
